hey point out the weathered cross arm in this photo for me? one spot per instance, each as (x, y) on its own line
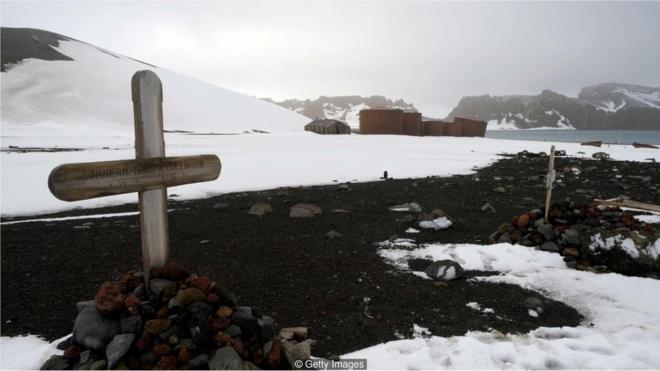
(80, 181)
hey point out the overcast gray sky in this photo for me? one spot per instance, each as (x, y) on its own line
(428, 53)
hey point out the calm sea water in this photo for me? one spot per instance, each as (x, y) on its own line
(579, 136)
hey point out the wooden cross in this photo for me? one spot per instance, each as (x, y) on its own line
(149, 174)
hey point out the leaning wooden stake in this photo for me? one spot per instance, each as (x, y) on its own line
(549, 179)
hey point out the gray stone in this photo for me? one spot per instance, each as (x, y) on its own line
(56, 362)
(304, 211)
(117, 348)
(571, 236)
(409, 207)
(532, 303)
(199, 362)
(99, 365)
(504, 238)
(444, 270)
(159, 285)
(297, 351)
(225, 358)
(131, 324)
(84, 304)
(92, 330)
(233, 331)
(243, 318)
(499, 190)
(344, 187)
(260, 209)
(546, 230)
(333, 234)
(266, 328)
(220, 206)
(487, 206)
(549, 246)
(250, 366)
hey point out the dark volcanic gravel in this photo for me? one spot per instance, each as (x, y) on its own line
(340, 288)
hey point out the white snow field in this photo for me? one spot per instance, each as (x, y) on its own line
(621, 329)
(263, 161)
(94, 92)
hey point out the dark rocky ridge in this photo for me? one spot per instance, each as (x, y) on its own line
(293, 271)
(21, 43)
(547, 108)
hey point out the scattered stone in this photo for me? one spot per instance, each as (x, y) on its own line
(157, 326)
(220, 206)
(546, 230)
(301, 351)
(158, 285)
(549, 246)
(260, 209)
(487, 206)
(109, 299)
(294, 333)
(304, 211)
(601, 156)
(499, 189)
(117, 348)
(409, 207)
(333, 234)
(92, 330)
(225, 358)
(56, 362)
(344, 187)
(444, 270)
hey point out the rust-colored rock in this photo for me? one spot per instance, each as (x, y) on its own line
(132, 304)
(203, 283)
(109, 299)
(144, 342)
(130, 282)
(171, 271)
(157, 326)
(72, 351)
(523, 220)
(212, 298)
(224, 311)
(274, 355)
(185, 355)
(167, 362)
(162, 313)
(238, 347)
(162, 349)
(191, 295)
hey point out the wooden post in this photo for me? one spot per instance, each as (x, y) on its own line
(147, 94)
(149, 174)
(550, 178)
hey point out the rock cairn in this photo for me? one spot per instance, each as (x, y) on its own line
(184, 321)
(588, 237)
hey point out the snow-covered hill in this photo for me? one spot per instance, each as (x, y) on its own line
(52, 82)
(612, 97)
(343, 108)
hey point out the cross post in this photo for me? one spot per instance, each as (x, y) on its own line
(149, 174)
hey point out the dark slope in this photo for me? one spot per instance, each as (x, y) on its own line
(21, 43)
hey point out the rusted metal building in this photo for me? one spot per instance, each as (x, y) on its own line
(398, 122)
(381, 121)
(471, 128)
(327, 126)
(412, 123)
(435, 128)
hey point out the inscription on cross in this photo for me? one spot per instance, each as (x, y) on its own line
(149, 174)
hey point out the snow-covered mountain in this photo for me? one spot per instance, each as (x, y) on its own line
(54, 82)
(613, 96)
(343, 108)
(607, 106)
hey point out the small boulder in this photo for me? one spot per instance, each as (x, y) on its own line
(109, 299)
(260, 209)
(294, 351)
(549, 246)
(302, 210)
(92, 330)
(117, 348)
(56, 362)
(225, 358)
(333, 234)
(436, 224)
(444, 270)
(409, 207)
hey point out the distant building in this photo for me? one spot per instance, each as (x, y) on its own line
(328, 126)
(397, 122)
